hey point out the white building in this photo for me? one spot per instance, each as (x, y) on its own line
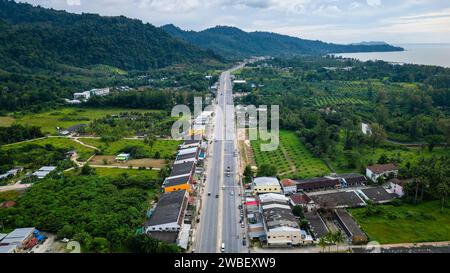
(239, 81)
(82, 96)
(397, 186)
(280, 225)
(266, 185)
(44, 171)
(381, 170)
(73, 101)
(289, 186)
(99, 91)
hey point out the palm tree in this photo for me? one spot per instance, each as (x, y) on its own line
(322, 243)
(329, 238)
(338, 239)
(443, 190)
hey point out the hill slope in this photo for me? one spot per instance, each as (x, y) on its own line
(39, 38)
(231, 41)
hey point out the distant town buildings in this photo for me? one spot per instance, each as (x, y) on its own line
(239, 82)
(44, 171)
(86, 95)
(11, 173)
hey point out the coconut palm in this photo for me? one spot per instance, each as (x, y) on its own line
(338, 238)
(322, 243)
(329, 238)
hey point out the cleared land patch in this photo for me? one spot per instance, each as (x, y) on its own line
(165, 148)
(407, 223)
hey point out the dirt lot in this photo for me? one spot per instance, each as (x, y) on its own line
(143, 162)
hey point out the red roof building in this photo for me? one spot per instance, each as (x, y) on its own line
(7, 204)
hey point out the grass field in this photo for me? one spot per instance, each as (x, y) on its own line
(59, 142)
(115, 172)
(100, 160)
(166, 148)
(69, 116)
(406, 223)
(291, 158)
(6, 121)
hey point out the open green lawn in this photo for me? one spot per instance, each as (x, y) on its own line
(407, 223)
(166, 148)
(69, 116)
(6, 121)
(306, 165)
(58, 142)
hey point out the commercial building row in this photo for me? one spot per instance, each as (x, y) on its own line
(170, 219)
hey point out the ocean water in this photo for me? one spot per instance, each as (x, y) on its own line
(427, 54)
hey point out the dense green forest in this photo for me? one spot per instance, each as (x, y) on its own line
(232, 42)
(39, 38)
(16, 133)
(47, 55)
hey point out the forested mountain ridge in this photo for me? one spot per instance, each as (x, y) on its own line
(234, 42)
(39, 38)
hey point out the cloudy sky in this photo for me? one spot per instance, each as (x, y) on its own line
(342, 21)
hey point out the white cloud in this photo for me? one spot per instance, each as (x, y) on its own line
(374, 3)
(73, 2)
(329, 20)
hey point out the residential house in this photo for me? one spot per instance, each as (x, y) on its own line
(303, 200)
(289, 186)
(266, 185)
(381, 170)
(398, 186)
